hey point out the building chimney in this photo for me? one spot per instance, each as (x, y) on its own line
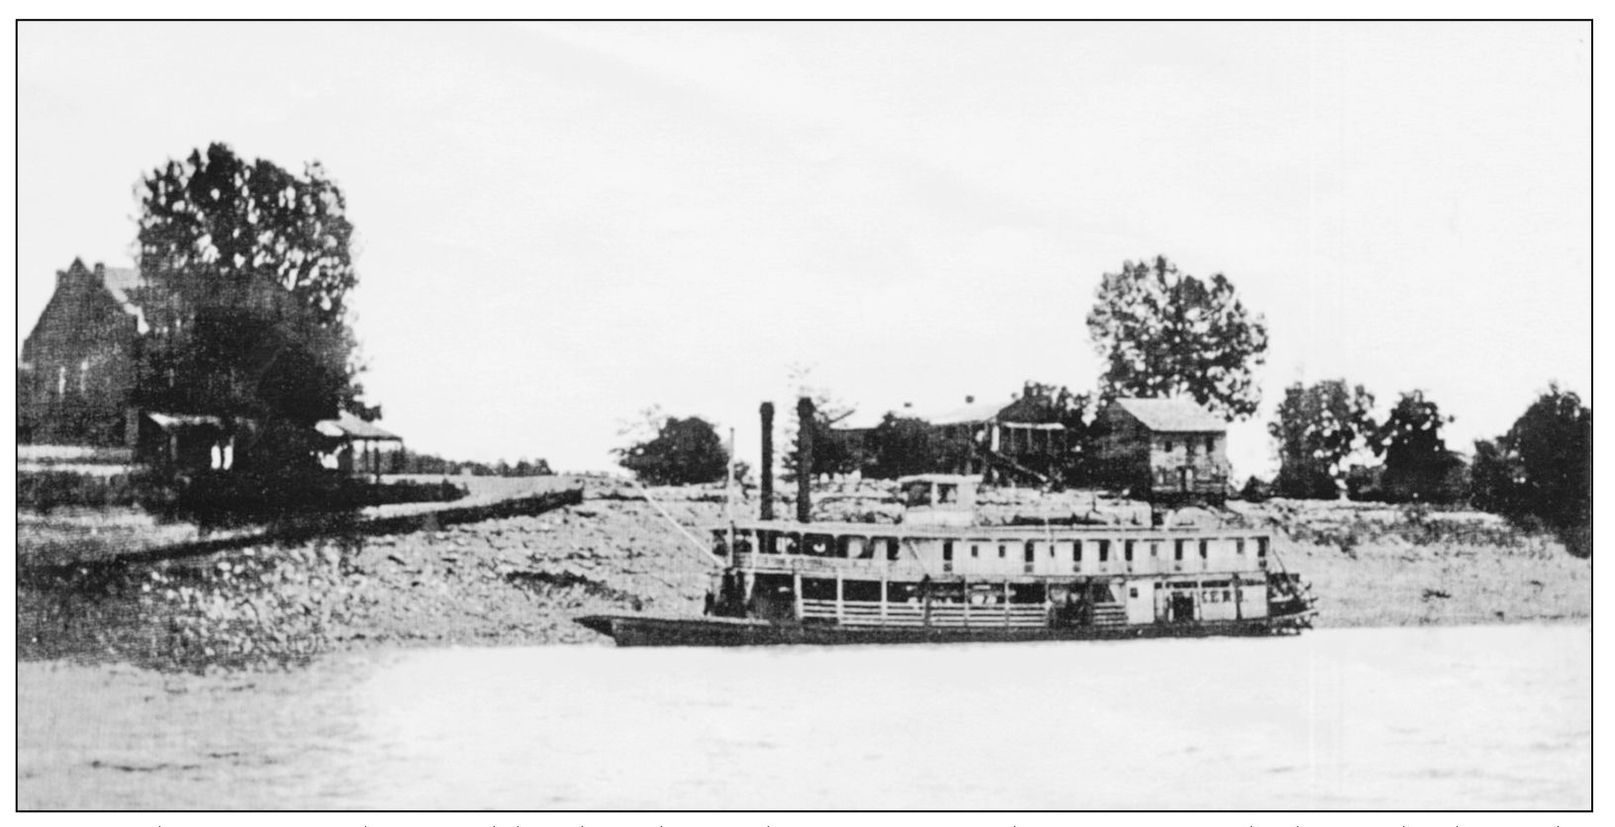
(804, 459)
(767, 411)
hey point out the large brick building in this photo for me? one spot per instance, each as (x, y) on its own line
(77, 367)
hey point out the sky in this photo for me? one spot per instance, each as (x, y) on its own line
(560, 225)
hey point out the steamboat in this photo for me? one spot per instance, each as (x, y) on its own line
(938, 576)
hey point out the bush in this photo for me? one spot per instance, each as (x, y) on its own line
(43, 491)
(1256, 491)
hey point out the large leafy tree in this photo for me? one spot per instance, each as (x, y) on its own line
(1166, 333)
(899, 446)
(682, 452)
(1418, 465)
(247, 269)
(1542, 468)
(1554, 442)
(1317, 428)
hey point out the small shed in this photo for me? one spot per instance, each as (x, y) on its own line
(356, 446)
(1169, 449)
(188, 441)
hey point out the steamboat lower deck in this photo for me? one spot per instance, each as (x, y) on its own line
(642, 630)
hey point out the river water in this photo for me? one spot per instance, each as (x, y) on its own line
(1493, 717)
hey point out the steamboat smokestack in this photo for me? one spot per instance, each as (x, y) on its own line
(767, 410)
(804, 459)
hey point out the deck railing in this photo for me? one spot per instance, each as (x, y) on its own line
(946, 615)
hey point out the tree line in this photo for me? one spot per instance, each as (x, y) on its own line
(1164, 333)
(410, 462)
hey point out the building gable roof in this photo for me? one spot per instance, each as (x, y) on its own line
(1172, 415)
(969, 414)
(348, 426)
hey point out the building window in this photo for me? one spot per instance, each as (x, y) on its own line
(947, 551)
(1127, 551)
(1168, 446)
(1205, 545)
(1211, 444)
(1104, 550)
(1177, 549)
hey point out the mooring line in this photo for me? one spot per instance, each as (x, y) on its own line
(712, 558)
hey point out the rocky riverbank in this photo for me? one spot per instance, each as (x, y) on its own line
(523, 579)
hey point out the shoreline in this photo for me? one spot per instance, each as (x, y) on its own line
(520, 580)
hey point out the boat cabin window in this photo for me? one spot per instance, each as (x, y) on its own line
(1177, 549)
(861, 590)
(790, 544)
(904, 593)
(917, 494)
(854, 548)
(1127, 550)
(1076, 551)
(947, 551)
(975, 550)
(986, 594)
(818, 588)
(1027, 593)
(1261, 547)
(1104, 550)
(720, 542)
(1030, 553)
(818, 545)
(768, 542)
(891, 546)
(946, 592)
(947, 492)
(1003, 551)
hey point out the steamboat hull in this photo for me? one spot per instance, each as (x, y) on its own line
(638, 630)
